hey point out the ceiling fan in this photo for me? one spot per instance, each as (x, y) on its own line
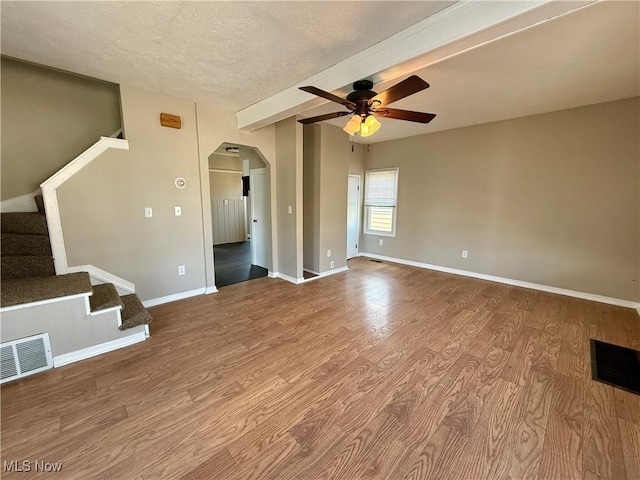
(365, 105)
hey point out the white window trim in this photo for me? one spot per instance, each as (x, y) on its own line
(378, 233)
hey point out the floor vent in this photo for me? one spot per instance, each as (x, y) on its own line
(25, 356)
(616, 366)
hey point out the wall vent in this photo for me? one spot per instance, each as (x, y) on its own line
(25, 356)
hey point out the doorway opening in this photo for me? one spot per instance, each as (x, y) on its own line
(353, 215)
(239, 182)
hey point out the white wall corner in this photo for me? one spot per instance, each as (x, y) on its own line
(209, 290)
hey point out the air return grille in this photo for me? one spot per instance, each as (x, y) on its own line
(25, 356)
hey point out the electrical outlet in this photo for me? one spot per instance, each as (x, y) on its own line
(333, 264)
(329, 253)
(178, 211)
(465, 253)
(381, 241)
(148, 212)
(181, 270)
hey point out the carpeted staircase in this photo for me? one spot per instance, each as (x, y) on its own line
(28, 272)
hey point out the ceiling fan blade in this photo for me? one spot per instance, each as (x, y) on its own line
(320, 118)
(419, 117)
(407, 87)
(329, 96)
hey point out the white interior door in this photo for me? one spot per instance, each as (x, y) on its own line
(353, 215)
(260, 217)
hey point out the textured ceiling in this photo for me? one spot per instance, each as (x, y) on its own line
(589, 56)
(237, 53)
(230, 53)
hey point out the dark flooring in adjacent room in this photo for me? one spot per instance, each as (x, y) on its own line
(233, 264)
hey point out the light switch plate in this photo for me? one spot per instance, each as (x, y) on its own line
(148, 212)
(178, 211)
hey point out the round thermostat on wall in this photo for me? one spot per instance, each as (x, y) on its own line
(180, 182)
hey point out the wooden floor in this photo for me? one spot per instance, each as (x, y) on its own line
(385, 371)
(233, 264)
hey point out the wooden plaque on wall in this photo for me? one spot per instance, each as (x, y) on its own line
(171, 121)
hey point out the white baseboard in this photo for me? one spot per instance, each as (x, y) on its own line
(273, 274)
(89, 352)
(325, 274)
(289, 278)
(508, 281)
(172, 298)
(310, 271)
(23, 203)
(98, 276)
(638, 310)
(209, 290)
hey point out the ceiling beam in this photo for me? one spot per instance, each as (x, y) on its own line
(458, 28)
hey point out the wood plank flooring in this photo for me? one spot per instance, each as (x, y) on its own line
(385, 371)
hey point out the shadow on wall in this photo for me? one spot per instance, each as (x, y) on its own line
(240, 195)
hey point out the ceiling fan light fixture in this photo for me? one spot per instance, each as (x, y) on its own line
(369, 126)
(233, 149)
(353, 125)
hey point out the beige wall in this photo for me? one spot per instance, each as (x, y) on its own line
(311, 197)
(357, 158)
(250, 154)
(552, 199)
(225, 185)
(357, 162)
(334, 166)
(48, 118)
(102, 208)
(225, 162)
(289, 155)
(326, 163)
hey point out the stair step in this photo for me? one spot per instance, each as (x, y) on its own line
(25, 244)
(134, 313)
(104, 296)
(23, 222)
(17, 291)
(20, 266)
(40, 203)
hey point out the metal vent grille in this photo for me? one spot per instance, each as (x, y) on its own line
(25, 356)
(31, 355)
(8, 367)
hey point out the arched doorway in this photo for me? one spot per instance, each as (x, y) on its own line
(239, 182)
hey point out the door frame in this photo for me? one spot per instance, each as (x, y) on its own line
(359, 177)
(258, 171)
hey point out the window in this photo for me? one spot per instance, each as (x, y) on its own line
(381, 192)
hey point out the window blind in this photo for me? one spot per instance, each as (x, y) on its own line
(381, 188)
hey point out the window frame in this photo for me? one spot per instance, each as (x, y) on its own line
(394, 214)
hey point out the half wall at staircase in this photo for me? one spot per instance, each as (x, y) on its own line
(103, 206)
